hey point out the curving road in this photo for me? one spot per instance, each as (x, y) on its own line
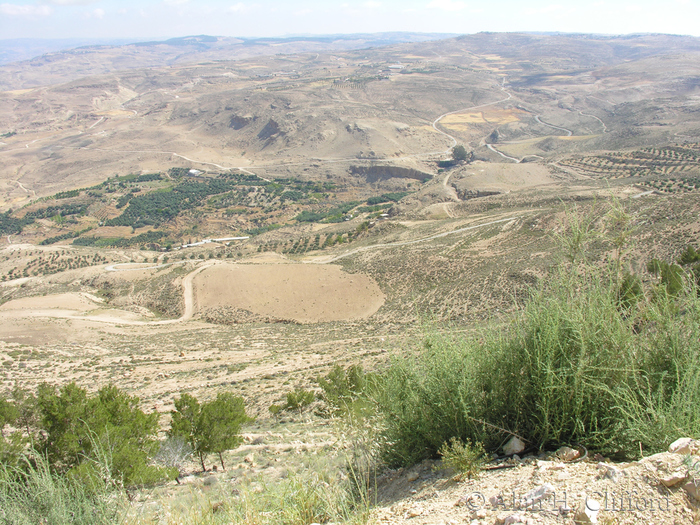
(187, 292)
(454, 140)
(567, 131)
(605, 128)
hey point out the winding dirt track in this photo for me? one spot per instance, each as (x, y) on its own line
(188, 288)
(408, 243)
(187, 292)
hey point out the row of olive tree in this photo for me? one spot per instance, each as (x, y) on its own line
(82, 434)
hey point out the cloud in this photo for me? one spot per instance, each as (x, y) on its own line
(25, 10)
(373, 5)
(447, 5)
(95, 13)
(240, 7)
(175, 2)
(72, 2)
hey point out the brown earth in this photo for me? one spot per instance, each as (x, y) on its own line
(303, 293)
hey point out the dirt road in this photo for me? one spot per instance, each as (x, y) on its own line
(408, 243)
(187, 292)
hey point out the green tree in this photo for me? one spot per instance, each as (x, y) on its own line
(63, 416)
(8, 414)
(28, 410)
(459, 153)
(212, 427)
(185, 423)
(81, 431)
(221, 421)
(10, 446)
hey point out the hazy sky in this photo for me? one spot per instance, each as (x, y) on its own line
(139, 19)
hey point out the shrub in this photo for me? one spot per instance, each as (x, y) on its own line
(299, 399)
(573, 367)
(466, 459)
(79, 427)
(346, 391)
(32, 493)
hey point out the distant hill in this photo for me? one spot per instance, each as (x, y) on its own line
(19, 49)
(28, 63)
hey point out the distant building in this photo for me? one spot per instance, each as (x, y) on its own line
(194, 173)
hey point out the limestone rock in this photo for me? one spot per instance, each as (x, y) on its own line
(509, 519)
(587, 512)
(514, 446)
(675, 478)
(568, 454)
(536, 495)
(681, 446)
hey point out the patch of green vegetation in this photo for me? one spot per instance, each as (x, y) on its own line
(262, 229)
(63, 237)
(387, 197)
(466, 459)
(67, 194)
(10, 225)
(150, 237)
(346, 391)
(576, 366)
(336, 214)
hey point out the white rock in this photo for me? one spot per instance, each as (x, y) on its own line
(681, 446)
(514, 446)
(413, 476)
(478, 514)
(587, 512)
(508, 519)
(568, 454)
(674, 478)
(536, 495)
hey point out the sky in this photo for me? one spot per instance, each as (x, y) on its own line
(159, 19)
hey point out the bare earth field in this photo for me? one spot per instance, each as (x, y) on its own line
(301, 293)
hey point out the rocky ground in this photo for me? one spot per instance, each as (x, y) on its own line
(553, 488)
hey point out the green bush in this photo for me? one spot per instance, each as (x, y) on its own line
(33, 493)
(78, 427)
(346, 391)
(574, 367)
(299, 399)
(466, 459)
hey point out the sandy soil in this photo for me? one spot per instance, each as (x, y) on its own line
(67, 301)
(502, 177)
(299, 292)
